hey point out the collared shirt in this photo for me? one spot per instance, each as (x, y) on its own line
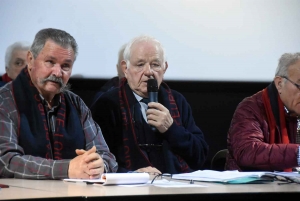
(15, 163)
(144, 106)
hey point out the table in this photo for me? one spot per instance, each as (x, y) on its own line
(54, 189)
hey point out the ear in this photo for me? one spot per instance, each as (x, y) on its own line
(166, 67)
(30, 60)
(124, 67)
(279, 83)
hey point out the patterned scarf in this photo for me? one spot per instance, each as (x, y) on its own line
(275, 116)
(133, 155)
(33, 132)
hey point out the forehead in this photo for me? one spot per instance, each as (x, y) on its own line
(19, 53)
(143, 49)
(54, 50)
(294, 69)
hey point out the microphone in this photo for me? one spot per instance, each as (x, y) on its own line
(152, 89)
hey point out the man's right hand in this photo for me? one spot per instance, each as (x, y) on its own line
(149, 169)
(79, 166)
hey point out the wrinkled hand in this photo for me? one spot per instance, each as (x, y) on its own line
(149, 169)
(159, 116)
(87, 165)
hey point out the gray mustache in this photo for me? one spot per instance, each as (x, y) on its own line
(54, 79)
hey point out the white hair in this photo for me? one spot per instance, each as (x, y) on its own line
(120, 58)
(13, 47)
(285, 61)
(127, 51)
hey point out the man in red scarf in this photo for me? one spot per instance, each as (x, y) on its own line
(15, 61)
(263, 134)
(47, 131)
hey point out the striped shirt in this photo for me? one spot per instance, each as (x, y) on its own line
(15, 163)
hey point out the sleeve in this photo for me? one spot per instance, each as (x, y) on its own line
(94, 137)
(13, 161)
(248, 143)
(187, 140)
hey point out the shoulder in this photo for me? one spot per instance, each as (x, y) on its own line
(6, 97)
(6, 91)
(252, 101)
(178, 97)
(109, 98)
(76, 100)
(250, 106)
(111, 95)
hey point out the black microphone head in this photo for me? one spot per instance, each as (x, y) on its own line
(152, 85)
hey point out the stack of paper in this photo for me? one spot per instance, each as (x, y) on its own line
(229, 177)
(117, 179)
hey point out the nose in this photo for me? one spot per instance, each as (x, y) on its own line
(56, 70)
(148, 70)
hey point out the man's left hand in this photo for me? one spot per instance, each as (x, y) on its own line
(95, 163)
(159, 116)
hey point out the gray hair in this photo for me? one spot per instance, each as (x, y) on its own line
(127, 51)
(15, 46)
(60, 37)
(285, 61)
(120, 58)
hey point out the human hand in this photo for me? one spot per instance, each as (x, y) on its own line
(149, 169)
(87, 165)
(159, 116)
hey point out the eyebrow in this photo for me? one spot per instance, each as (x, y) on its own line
(20, 59)
(65, 61)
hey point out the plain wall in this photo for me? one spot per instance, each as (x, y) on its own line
(222, 40)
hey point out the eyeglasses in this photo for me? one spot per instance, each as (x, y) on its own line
(297, 85)
(166, 175)
(287, 180)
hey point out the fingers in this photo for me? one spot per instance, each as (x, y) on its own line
(92, 150)
(159, 117)
(149, 169)
(80, 151)
(88, 164)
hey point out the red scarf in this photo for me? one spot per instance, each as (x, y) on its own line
(5, 78)
(273, 104)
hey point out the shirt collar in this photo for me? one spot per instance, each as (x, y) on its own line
(138, 98)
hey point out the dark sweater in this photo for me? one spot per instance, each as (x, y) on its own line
(185, 140)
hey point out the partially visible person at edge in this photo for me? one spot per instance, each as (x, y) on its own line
(15, 61)
(47, 132)
(177, 145)
(113, 82)
(264, 132)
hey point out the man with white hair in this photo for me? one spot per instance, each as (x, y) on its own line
(177, 145)
(264, 134)
(15, 61)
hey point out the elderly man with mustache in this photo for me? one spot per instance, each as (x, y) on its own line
(47, 132)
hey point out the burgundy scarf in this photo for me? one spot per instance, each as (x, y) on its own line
(275, 116)
(5, 78)
(34, 135)
(134, 157)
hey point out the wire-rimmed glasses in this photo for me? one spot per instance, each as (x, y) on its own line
(161, 176)
(297, 85)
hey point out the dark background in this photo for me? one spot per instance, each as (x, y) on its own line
(213, 103)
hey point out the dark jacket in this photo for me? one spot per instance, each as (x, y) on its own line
(186, 141)
(248, 140)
